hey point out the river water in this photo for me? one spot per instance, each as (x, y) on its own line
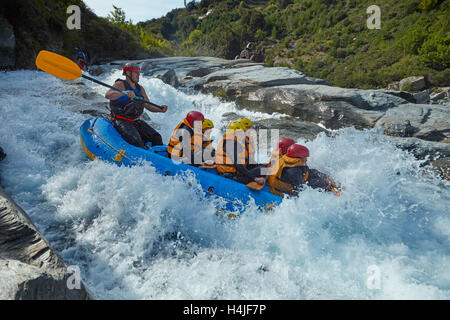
(135, 234)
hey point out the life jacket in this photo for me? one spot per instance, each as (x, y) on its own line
(175, 147)
(207, 143)
(224, 161)
(275, 183)
(251, 148)
(275, 156)
(124, 108)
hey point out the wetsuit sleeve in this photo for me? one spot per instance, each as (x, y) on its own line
(294, 177)
(317, 179)
(245, 172)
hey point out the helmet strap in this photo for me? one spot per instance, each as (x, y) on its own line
(130, 77)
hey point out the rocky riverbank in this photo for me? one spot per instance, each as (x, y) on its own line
(30, 268)
(312, 104)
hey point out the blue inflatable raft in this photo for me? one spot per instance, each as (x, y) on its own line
(101, 140)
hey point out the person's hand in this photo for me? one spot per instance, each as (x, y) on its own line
(164, 108)
(260, 181)
(130, 94)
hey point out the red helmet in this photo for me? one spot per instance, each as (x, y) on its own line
(297, 151)
(129, 66)
(194, 116)
(284, 144)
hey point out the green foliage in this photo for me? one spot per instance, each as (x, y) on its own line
(428, 5)
(408, 86)
(260, 35)
(331, 38)
(435, 51)
(415, 36)
(274, 33)
(41, 25)
(146, 40)
(118, 16)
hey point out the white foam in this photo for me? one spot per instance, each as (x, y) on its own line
(138, 235)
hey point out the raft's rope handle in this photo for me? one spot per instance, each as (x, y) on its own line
(91, 129)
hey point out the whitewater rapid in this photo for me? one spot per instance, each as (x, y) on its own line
(135, 234)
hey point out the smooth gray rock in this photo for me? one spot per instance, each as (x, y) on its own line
(261, 76)
(96, 70)
(422, 97)
(437, 154)
(417, 83)
(29, 267)
(427, 122)
(170, 78)
(421, 148)
(438, 96)
(287, 126)
(334, 107)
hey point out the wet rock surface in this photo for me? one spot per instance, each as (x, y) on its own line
(2, 154)
(31, 268)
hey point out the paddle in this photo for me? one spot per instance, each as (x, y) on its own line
(64, 68)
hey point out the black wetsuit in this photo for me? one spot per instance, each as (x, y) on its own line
(294, 177)
(125, 114)
(243, 174)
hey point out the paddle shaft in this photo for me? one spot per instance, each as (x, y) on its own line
(118, 90)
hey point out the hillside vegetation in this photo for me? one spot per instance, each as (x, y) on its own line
(328, 39)
(41, 25)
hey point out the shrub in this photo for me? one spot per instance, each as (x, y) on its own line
(435, 52)
(428, 5)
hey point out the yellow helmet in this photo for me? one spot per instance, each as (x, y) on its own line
(207, 124)
(236, 126)
(246, 122)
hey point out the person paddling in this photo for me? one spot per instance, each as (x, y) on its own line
(187, 142)
(232, 156)
(126, 110)
(282, 146)
(208, 151)
(81, 58)
(291, 173)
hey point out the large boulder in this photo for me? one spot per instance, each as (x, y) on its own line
(29, 267)
(424, 121)
(261, 76)
(170, 78)
(413, 83)
(422, 97)
(332, 106)
(286, 126)
(436, 154)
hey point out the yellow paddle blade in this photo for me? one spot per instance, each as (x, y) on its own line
(58, 65)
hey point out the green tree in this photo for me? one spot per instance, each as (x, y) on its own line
(117, 16)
